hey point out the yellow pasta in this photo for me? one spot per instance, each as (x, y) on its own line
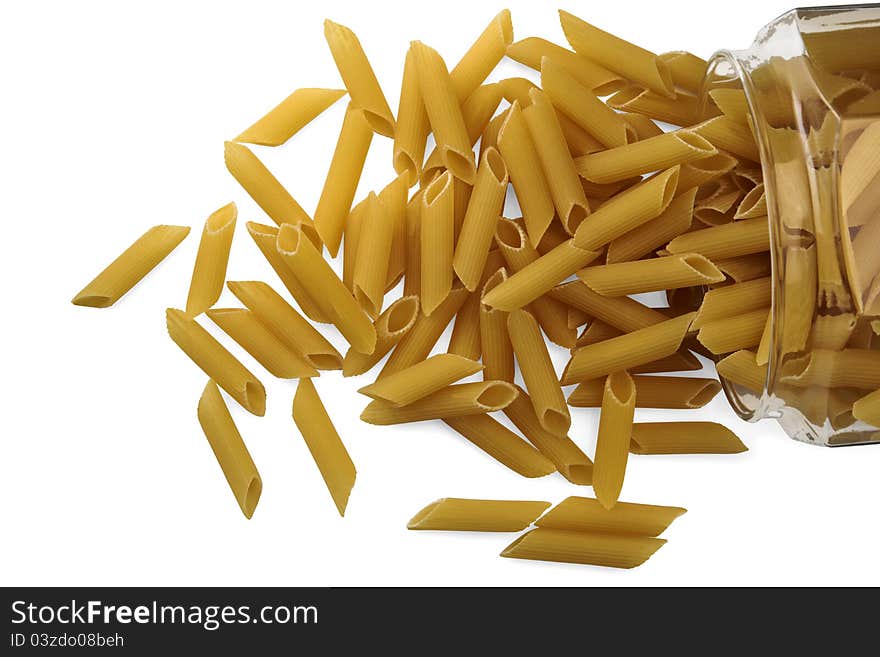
(745, 268)
(532, 192)
(451, 401)
(684, 438)
(373, 255)
(681, 361)
(670, 272)
(559, 171)
(359, 78)
(612, 444)
(483, 212)
(264, 188)
(753, 204)
(733, 300)
(580, 142)
(538, 373)
(286, 324)
(322, 284)
(482, 56)
(832, 331)
(656, 153)
(728, 135)
(393, 199)
(494, 336)
(724, 242)
(627, 211)
(729, 334)
(850, 368)
(594, 549)
(532, 50)
(568, 458)
(517, 90)
(732, 103)
(645, 127)
(596, 331)
(629, 350)
(687, 70)
(464, 515)
(209, 271)
(437, 237)
(412, 281)
(422, 379)
(411, 132)
(326, 447)
(585, 514)
(130, 267)
(861, 166)
(444, 112)
(677, 392)
(390, 328)
(582, 106)
(799, 294)
(290, 116)
(502, 444)
(622, 313)
(353, 225)
(215, 361)
(672, 222)
(465, 338)
(741, 368)
(630, 61)
(421, 338)
(867, 409)
(267, 349)
(705, 170)
(342, 178)
(683, 110)
(229, 449)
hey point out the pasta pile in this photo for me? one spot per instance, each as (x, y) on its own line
(611, 206)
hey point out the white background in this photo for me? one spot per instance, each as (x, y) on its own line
(114, 116)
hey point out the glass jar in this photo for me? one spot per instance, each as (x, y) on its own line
(810, 85)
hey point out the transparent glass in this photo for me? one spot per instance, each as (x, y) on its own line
(811, 86)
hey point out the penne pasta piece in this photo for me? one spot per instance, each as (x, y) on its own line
(799, 298)
(422, 379)
(622, 57)
(582, 106)
(580, 142)
(850, 368)
(412, 282)
(411, 132)
(629, 350)
(462, 515)
(675, 392)
(229, 450)
(645, 127)
(327, 449)
(742, 369)
(732, 103)
(568, 458)
(494, 336)
(265, 189)
(390, 328)
(131, 266)
(267, 349)
(290, 116)
(393, 198)
(519, 153)
(317, 277)
(437, 237)
(215, 361)
(482, 57)
(832, 331)
(596, 331)
(724, 242)
(733, 300)
(538, 373)
(612, 443)
(465, 339)
(593, 549)
(861, 166)
(288, 326)
(687, 70)
(728, 135)
(684, 438)
(705, 170)
(359, 78)
(373, 256)
(622, 313)
(554, 320)
(745, 268)
(681, 361)
(342, 178)
(483, 212)
(451, 401)
(421, 338)
(627, 211)
(867, 408)
(673, 221)
(209, 270)
(683, 110)
(669, 272)
(353, 225)
(502, 444)
(529, 52)
(762, 354)
(517, 90)
(662, 152)
(444, 112)
(585, 514)
(729, 334)
(461, 195)
(558, 167)
(753, 204)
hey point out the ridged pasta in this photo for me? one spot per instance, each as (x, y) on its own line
(684, 438)
(437, 237)
(612, 443)
(585, 514)
(849, 368)
(465, 515)
(728, 135)
(483, 55)
(494, 336)
(741, 368)
(589, 548)
(422, 379)
(411, 131)
(733, 300)
(373, 256)
(209, 270)
(867, 408)
(677, 392)
(622, 313)
(724, 242)
(532, 50)
(290, 116)
(729, 334)
(390, 328)
(670, 272)
(650, 236)
(683, 110)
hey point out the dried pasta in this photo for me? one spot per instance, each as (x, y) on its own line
(585, 514)
(389, 328)
(209, 270)
(612, 444)
(411, 131)
(729, 334)
(670, 272)
(678, 392)
(532, 50)
(494, 336)
(673, 221)
(741, 368)
(849, 368)
(437, 236)
(482, 56)
(373, 256)
(733, 300)
(465, 515)
(589, 548)
(684, 438)
(422, 379)
(732, 240)
(290, 116)
(622, 313)
(867, 408)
